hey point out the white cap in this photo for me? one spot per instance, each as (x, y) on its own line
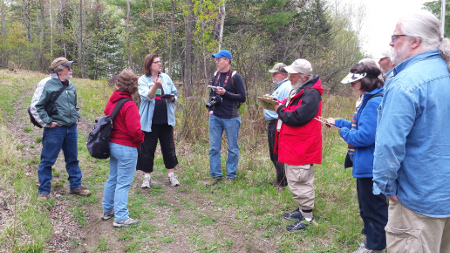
(301, 66)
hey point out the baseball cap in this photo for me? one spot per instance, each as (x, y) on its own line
(301, 66)
(222, 53)
(387, 53)
(60, 61)
(279, 67)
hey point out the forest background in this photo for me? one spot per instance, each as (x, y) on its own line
(104, 37)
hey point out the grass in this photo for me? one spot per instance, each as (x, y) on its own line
(223, 218)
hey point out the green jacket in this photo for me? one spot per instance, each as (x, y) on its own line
(66, 104)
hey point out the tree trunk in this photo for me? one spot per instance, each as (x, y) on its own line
(172, 34)
(80, 41)
(128, 34)
(222, 22)
(189, 27)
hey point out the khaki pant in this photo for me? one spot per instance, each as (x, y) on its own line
(300, 181)
(410, 232)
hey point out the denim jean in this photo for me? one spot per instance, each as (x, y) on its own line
(122, 165)
(374, 213)
(53, 140)
(216, 127)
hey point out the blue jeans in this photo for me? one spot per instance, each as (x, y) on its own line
(122, 165)
(53, 140)
(216, 127)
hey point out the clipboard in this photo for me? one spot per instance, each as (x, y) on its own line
(268, 103)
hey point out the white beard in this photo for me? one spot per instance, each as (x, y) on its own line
(400, 55)
(296, 85)
(68, 76)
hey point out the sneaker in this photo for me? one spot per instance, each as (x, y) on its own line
(81, 191)
(108, 215)
(362, 249)
(173, 180)
(295, 215)
(147, 182)
(43, 196)
(213, 181)
(299, 225)
(228, 181)
(124, 223)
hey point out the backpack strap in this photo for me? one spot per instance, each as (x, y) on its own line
(59, 93)
(374, 96)
(118, 106)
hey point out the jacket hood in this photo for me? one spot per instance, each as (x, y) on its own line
(117, 95)
(313, 83)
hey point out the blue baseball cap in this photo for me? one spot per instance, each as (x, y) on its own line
(222, 53)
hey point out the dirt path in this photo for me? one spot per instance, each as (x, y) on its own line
(175, 220)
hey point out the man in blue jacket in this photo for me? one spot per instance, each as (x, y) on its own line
(412, 146)
(280, 92)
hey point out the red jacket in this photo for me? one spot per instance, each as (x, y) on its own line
(126, 125)
(299, 141)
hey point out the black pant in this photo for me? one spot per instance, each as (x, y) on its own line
(147, 149)
(281, 174)
(374, 213)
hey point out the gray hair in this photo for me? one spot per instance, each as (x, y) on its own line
(59, 68)
(425, 25)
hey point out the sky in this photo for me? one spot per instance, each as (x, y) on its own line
(380, 19)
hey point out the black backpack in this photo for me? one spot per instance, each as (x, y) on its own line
(50, 107)
(98, 139)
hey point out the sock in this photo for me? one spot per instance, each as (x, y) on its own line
(307, 214)
(147, 176)
(170, 174)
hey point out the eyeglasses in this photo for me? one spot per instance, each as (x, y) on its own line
(69, 67)
(157, 62)
(219, 59)
(394, 38)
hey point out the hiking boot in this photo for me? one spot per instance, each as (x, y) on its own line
(173, 180)
(147, 181)
(124, 223)
(228, 181)
(299, 225)
(43, 196)
(81, 191)
(295, 215)
(108, 215)
(213, 181)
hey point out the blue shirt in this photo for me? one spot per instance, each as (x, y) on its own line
(147, 106)
(280, 92)
(412, 147)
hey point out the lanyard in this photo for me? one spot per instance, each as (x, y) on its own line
(226, 78)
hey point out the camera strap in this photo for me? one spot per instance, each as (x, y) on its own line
(226, 78)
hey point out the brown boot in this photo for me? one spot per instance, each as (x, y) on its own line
(81, 191)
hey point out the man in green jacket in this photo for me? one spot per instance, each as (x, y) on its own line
(60, 126)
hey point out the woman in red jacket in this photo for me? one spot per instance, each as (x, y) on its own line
(126, 137)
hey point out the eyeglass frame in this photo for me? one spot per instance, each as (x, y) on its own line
(395, 37)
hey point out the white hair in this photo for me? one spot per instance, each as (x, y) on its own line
(425, 25)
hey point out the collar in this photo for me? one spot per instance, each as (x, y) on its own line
(413, 60)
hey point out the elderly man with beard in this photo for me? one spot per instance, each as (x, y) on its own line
(299, 139)
(60, 126)
(412, 154)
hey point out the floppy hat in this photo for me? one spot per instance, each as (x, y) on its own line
(279, 67)
(60, 61)
(222, 53)
(301, 66)
(351, 77)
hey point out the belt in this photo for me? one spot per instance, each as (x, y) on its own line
(273, 121)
